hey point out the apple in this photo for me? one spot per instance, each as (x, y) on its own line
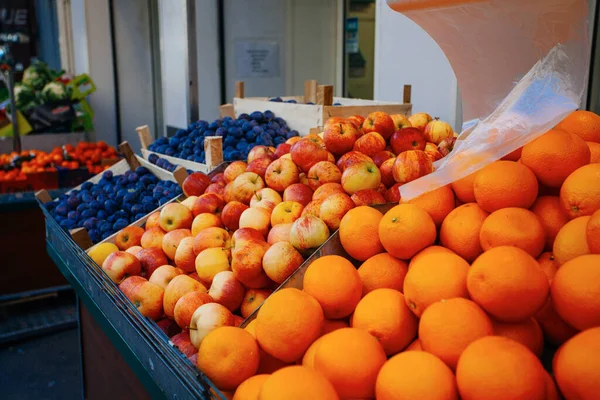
(230, 216)
(184, 344)
(195, 184)
(370, 144)
(194, 276)
(219, 179)
(280, 261)
(134, 249)
(252, 300)
(308, 232)
(431, 149)
(316, 138)
(306, 153)
(153, 221)
(256, 218)
(171, 241)
(208, 203)
(386, 171)
(298, 192)
(234, 170)
(228, 193)
(351, 158)
(187, 305)
(189, 201)
(260, 151)
(150, 260)
(169, 327)
(333, 121)
(333, 209)
(379, 122)
(259, 166)
(217, 189)
(206, 319)
(410, 165)
(175, 216)
(205, 220)
(281, 174)
(314, 207)
(293, 140)
(380, 157)
(210, 262)
(237, 320)
(436, 131)
(367, 197)
(392, 195)
(153, 237)
(227, 290)
(184, 255)
(209, 238)
(327, 190)
(164, 274)
(420, 120)
(265, 198)
(323, 172)
(279, 233)
(400, 121)
(146, 296)
(128, 237)
(446, 146)
(246, 261)
(358, 121)
(285, 212)
(382, 189)
(245, 185)
(340, 137)
(283, 148)
(407, 139)
(244, 235)
(361, 176)
(120, 265)
(179, 285)
(330, 157)
(261, 281)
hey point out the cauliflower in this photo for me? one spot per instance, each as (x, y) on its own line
(37, 75)
(54, 91)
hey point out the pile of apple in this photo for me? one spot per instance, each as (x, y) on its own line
(212, 259)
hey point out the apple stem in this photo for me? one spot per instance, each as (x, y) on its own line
(192, 329)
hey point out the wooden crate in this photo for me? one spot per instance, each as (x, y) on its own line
(303, 117)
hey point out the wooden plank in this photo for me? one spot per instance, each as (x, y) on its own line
(310, 90)
(226, 110)
(180, 174)
(144, 135)
(127, 152)
(239, 89)
(213, 149)
(81, 237)
(325, 95)
(407, 94)
(315, 130)
(348, 111)
(43, 196)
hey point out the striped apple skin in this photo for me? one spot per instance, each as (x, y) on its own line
(411, 165)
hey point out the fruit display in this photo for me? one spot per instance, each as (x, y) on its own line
(239, 135)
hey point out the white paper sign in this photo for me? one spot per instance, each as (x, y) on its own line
(257, 59)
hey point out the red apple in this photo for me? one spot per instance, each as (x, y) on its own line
(327, 190)
(351, 158)
(291, 141)
(280, 261)
(380, 157)
(308, 232)
(400, 121)
(286, 212)
(259, 166)
(164, 274)
(379, 122)
(175, 216)
(206, 319)
(314, 207)
(208, 203)
(265, 198)
(245, 185)
(281, 174)
(298, 192)
(432, 151)
(252, 300)
(228, 193)
(187, 305)
(189, 201)
(361, 176)
(210, 237)
(382, 189)
(323, 172)
(244, 235)
(185, 258)
(205, 220)
(407, 139)
(333, 121)
(153, 221)
(392, 195)
(411, 165)
(333, 209)
(120, 265)
(134, 249)
(283, 148)
(171, 241)
(179, 286)
(419, 120)
(306, 153)
(219, 179)
(279, 233)
(152, 238)
(237, 320)
(340, 137)
(217, 189)
(183, 343)
(367, 197)
(146, 296)
(150, 260)
(230, 216)
(436, 131)
(256, 218)
(169, 327)
(358, 121)
(195, 184)
(227, 290)
(260, 151)
(128, 237)
(210, 262)
(370, 144)
(234, 170)
(386, 171)
(246, 261)
(446, 146)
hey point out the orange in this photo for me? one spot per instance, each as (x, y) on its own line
(359, 232)
(505, 184)
(497, 368)
(575, 290)
(228, 356)
(513, 227)
(508, 284)
(571, 240)
(414, 346)
(405, 230)
(382, 271)
(268, 364)
(527, 332)
(350, 359)
(580, 193)
(556, 330)
(548, 264)
(592, 231)
(287, 323)
(308, 360)
(415, 375)
(429, 251)
(250, 388)
(554, 155)
(584, 124)
(551, 390)
(331, 325)
(514, 155)
(460, 230)
(463, 188)
(336, 285)
(384, 314)
(449, 326)
(435, 277)
(438, 203)
(297, 383)
(577, 366)
(594, 152)
(551, 215)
